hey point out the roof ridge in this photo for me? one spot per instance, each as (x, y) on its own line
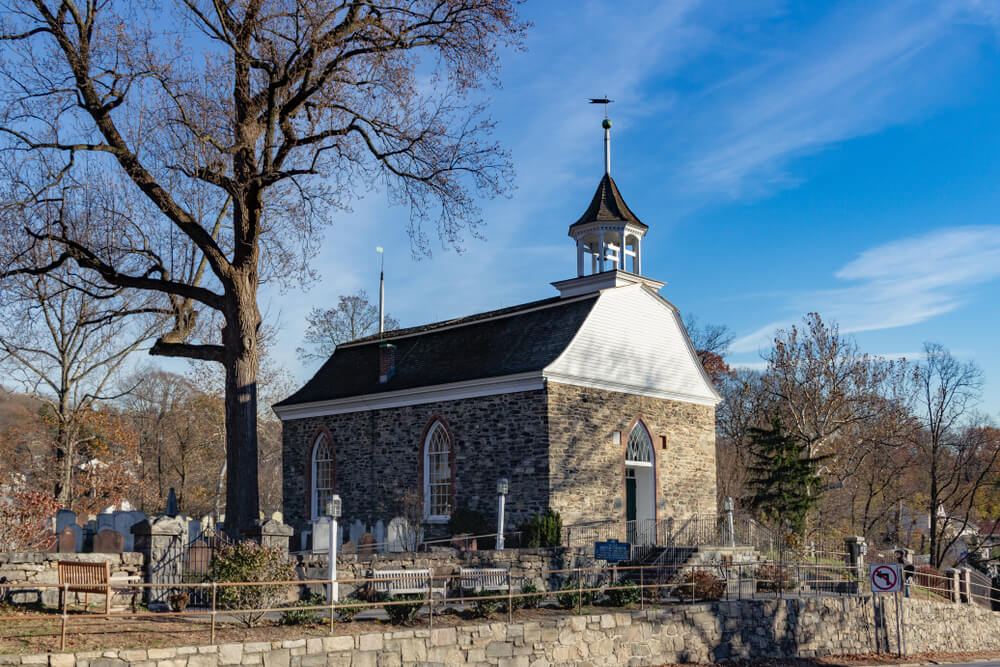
(463, 321)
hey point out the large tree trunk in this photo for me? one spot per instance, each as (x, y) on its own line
(64, 455)
(240, 337)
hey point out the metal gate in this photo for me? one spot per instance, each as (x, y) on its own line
(197, 566)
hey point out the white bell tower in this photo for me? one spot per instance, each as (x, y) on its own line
(608, 236)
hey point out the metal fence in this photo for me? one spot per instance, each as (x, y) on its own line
(570, 589)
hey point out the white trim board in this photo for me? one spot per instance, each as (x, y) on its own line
(453, 391)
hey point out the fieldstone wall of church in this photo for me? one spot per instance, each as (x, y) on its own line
(587, 471)
(378, 455)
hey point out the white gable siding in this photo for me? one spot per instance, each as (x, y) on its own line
(633, 341)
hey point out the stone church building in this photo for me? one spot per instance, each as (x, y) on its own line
(592, 402)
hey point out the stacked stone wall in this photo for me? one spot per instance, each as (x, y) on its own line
(696, 633)
(378, 457)
(42, 568)
(587, 471)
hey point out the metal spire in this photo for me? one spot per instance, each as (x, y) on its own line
(381, 291)
(606, 124)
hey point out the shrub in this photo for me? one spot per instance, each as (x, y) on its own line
(483, 608)
(544, 530)
(248, 561)
(625, 594)
(527, 601)
(347, 612)
(571, 598)
(771, 577)
(403, 613)
(303, 616)
(700, 585)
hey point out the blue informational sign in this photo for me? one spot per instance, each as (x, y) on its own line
(612, 551)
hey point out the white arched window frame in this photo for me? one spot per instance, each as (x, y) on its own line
(437, 474)
(323, 474)
(639, 451)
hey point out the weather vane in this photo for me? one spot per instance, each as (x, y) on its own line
(602, 100)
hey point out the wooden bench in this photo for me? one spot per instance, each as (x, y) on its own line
(90, 578)
(485, 579)
(402, 582)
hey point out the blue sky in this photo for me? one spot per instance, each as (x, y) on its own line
(787, 157)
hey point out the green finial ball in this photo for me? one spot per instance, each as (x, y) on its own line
(606, 123)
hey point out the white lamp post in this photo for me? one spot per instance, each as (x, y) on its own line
(333, 512)
(729, 505)
(502, 488)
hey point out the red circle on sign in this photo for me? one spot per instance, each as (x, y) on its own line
(887, 581)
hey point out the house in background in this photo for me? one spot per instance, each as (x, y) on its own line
(592, 402)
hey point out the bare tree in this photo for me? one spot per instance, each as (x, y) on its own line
(66, 346)
(354, 316)
(218, 135)
(959, 459)
(840, 401)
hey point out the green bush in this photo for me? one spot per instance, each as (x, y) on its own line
(544, 530)
(403, 613)
(625, 594)
(248, 561)
(700, 585)
(303, 616)
(528, 601)
(571, 598)
(347, 611)
(483, 608)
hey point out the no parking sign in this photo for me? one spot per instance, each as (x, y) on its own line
(884, 578)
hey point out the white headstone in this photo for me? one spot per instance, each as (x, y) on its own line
(399, 535)
(321, 535)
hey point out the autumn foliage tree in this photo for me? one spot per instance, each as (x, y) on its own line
(192, 150)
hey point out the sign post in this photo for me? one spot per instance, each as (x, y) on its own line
(882, 579)
(613, 551)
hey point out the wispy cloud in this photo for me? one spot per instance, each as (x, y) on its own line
(860, 70)
(898, 284)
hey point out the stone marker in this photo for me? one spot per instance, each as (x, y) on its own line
(67, 540)
(366, 545)
(108, 542)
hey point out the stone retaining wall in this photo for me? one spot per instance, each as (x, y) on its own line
(41, 568)
(691, 633)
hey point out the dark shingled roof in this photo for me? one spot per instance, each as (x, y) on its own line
(608, 206)
(502, 342)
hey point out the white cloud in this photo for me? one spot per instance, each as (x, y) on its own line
(854, 73)
(899, 283)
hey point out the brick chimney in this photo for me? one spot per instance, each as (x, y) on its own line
(386, 362)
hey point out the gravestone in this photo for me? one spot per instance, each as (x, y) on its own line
(366, 545)
(400, 536)
(380, 535)
(357, 530)
(108, 542)
(172, 509)
(124, 521)
(349, 547)
(67, 539)
(321, 536)
(64, 518)
(105, 521)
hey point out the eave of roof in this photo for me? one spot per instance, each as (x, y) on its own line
(608, 206)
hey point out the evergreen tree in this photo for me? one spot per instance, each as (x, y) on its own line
(784, 479)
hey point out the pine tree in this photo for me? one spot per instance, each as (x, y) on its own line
(784, 479)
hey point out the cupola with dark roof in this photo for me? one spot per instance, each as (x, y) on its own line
(608, 238)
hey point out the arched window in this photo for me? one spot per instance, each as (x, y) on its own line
(323, 474)
(437, 473)
(640, 446)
